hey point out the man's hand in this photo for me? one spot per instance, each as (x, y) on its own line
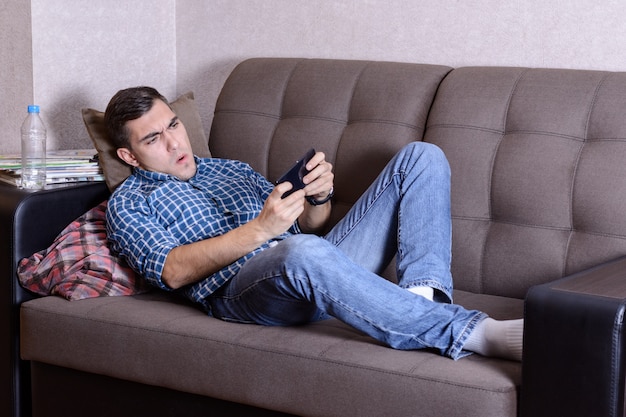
(319, 181)
(279, 214)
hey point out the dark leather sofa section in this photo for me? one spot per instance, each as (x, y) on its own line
(29, 222)
(581, 316)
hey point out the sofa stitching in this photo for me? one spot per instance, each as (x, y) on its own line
(607, 139)
(354, 88)
(279, 117)
(252, 113)
(536, 132)
(517, 131)
(328, 119)
(386, 122)
(535, 226)
(572, 189)
(483, 255)
(547, 133)
(462, 126)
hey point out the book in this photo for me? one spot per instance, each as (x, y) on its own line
(67, 166)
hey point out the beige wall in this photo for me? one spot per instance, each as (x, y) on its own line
(16, 75)
(82, 52)
(214, 35)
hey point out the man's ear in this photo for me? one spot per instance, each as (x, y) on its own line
(127, 156)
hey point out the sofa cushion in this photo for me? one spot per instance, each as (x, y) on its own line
(115, 171)
(537, 160)
(157, 340)
(359, 113)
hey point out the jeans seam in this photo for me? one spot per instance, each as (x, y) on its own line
(369, 205)
(456, 349)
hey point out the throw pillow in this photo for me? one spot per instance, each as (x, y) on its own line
(114, 169)
(79, 263)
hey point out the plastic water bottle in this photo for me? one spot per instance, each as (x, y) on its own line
(33, 150)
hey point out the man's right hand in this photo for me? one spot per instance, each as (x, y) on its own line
(278, 213)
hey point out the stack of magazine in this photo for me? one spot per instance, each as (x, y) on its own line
(61, 167)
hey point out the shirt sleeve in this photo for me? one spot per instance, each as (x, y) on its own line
(136, 235)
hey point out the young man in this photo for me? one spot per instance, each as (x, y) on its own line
(223, 235)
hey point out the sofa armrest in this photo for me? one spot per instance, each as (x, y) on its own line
(574, 345)
(29, 222)
(34, 219)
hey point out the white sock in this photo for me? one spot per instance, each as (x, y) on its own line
(497, 338)
(426, 292)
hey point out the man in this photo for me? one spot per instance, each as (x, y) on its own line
(223, 235)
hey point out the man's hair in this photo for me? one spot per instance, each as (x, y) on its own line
(127, 105)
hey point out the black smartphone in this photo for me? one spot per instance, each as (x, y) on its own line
(296, 173)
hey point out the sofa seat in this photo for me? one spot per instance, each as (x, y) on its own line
(150, 339)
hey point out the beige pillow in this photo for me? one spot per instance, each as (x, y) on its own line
(114, 169)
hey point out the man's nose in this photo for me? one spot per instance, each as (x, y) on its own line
(172, 142)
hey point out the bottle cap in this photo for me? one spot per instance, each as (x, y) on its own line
(33, 108)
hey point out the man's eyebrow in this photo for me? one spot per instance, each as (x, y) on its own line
(173, 121)
(153, 134)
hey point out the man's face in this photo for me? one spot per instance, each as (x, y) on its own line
(159, 142)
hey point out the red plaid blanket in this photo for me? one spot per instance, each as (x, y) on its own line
(79, 264)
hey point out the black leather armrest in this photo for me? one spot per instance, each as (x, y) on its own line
(33, 220)
(29, 222)
(574, 345)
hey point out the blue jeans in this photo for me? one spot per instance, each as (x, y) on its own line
(304, 278)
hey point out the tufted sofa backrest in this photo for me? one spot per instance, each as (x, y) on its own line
(271, 110)
(538, 159)
(538, 156)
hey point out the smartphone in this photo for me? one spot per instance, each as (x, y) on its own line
(296, 173)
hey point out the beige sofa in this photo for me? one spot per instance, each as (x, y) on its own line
(538, 159)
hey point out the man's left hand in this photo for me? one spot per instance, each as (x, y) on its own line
(319, 181)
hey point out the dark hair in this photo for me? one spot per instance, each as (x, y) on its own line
(126, 105)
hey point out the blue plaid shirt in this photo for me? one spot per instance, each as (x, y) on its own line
(152, 213)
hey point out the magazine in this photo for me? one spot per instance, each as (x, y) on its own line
(64, 166)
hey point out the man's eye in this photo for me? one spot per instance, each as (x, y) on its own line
(174, 125)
